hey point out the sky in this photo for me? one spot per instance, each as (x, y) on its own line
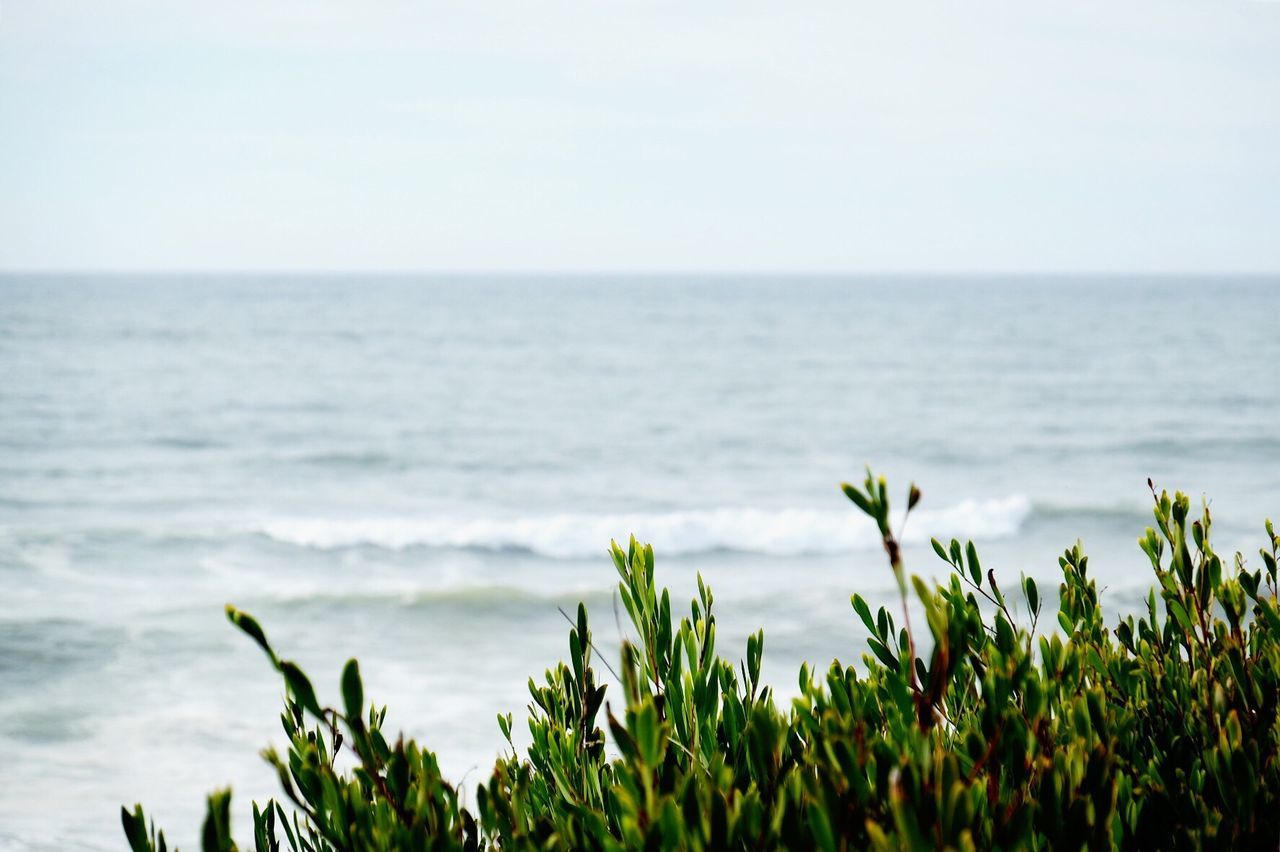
(640, 136)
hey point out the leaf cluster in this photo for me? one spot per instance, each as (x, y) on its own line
(981, 732)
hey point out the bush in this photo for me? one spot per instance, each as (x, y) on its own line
(1159, 733)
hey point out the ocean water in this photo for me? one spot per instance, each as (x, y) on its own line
(420, 471)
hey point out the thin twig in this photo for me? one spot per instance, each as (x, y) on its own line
(603, 661)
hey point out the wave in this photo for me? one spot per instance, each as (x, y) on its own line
(484, 598)
(786, 532)
(1136, 513)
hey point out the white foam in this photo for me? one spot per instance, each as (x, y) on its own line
(783, 532)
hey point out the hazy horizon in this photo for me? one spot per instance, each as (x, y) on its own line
(1019, 275)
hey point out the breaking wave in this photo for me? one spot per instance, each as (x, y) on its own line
(785, 532)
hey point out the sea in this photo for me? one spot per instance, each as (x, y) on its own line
(423, 471)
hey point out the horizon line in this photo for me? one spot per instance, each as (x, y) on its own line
(633, 273)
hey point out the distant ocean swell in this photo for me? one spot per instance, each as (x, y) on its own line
(787, 532)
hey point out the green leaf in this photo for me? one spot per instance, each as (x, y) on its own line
(300, 686)
(216, 836)
(649, 735)
(864, 612)
(135, 829)
(975, 567)
(353, 691)
(249, 625)
(821, 827)
(1269, 614)
(885, 655)
(1180, 613)
(995, 590)
(858, 498)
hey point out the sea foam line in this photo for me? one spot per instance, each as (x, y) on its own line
(785, 532)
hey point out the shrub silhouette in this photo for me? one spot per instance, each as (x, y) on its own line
(1157, 733)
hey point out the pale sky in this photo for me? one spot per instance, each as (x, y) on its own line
(640, 136)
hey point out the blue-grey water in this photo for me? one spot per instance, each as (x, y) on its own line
(419, 470)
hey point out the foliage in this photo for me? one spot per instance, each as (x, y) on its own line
(1159, 733)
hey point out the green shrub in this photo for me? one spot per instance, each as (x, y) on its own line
(979, 733)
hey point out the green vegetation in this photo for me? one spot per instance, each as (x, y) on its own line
(1159, 733)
